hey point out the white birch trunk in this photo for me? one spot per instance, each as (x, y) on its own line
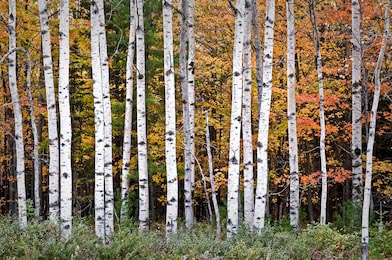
(99, 195)
(291, 114)
(36, 159)
(356, 145)
(211, 171)
(191, 84)
(20, 165)
(323, 163)
(141, 119)
(170, 115)
(235, 123)
(188, 183)
(33, 126)
(247, 118)
(128, 113)
(65, 124)
(262, 142)
(54, 195)
(372, 133)
(258, 49)
(107, 114)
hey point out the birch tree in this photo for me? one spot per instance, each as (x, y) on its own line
(247, 118)
(128, 112)
(191, 83)
(291, 113)
(20, 164)
(323, 162)
(33, 128)
(141, 118)
(54, 210)
(356, 145)
(235, 123)
(372, 133)
(262, 140)
(188, 158)
(99, 194)
(34, 131)
(107, 114)
(65, 123)
(212, 181)
(170, 115)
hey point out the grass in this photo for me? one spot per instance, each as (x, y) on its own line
(41, 240)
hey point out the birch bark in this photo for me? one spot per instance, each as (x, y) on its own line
(20, 165)
(141, 119)
(191, 84)
(33, 126)
(235, 123)
(262, 142)
(323, 163)
(99, 196)
(247, 118)
(188, 182)
(170, 135)
(128, 112)
(356, 146)
(372, 133)
(291, 113)
(65, 124)
(107, 114)
(54, 195)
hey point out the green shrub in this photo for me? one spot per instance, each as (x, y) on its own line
(42, 241)
(380, 243)
(348, 217)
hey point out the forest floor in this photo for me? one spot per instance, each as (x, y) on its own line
(42, 241)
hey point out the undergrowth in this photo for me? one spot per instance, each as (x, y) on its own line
(42, 240)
